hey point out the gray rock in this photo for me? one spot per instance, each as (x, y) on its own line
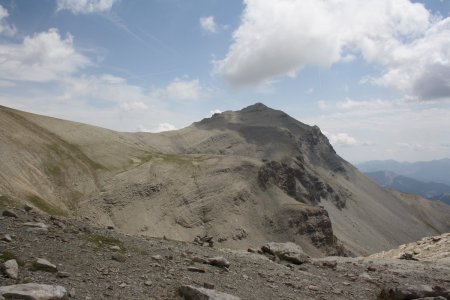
(190, 292)
(118, 257)
(11, 268)
(148, 283)
(37, 230)
(9, 213)
(157, 257)
(63, 274)
(218, 261)
(197, 270)
(332, 264)
(7, 238)
(412, 292)
(42, 264)
(289, 251)
(27, 207)
(33, 291)
(35, 225)
(115, 248)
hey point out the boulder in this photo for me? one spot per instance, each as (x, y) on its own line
(42, 264)
(11, 268)
(289, 251)
(33, 291)
(190, 292)
(9, 213)
(413, 292)
(218, 261)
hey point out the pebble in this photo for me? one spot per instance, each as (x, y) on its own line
(119, 257)
(148, 283)
(44, 265)
(195, 269)
(219, 261)
(7, 238)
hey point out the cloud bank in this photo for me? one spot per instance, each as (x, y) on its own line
(85, 6)
(277, 38)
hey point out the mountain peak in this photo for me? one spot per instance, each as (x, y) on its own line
(256, 107)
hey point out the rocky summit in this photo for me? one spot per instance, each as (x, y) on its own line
(248, 204)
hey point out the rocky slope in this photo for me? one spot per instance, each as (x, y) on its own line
(79, 261)
(243, 178)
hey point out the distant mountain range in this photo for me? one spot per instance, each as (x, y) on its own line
(437, 171)
(430, 190)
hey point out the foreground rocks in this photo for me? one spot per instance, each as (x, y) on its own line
(289, 252)
(90, 265)
(190, 292)
(33, 291)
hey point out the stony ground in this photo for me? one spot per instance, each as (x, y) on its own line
(100, 263)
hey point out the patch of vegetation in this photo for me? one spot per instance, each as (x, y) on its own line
(6, 255)
(76, 150)
(103, 241)
(6, 201)
(40, 203)
(54, 171)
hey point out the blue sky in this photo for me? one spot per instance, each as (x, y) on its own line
(374, 75)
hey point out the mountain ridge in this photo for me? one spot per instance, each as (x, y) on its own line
(243, 177)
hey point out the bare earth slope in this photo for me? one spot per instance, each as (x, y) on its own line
(242, 177)
(98, 263)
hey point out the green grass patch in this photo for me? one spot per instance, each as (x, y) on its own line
(40, 203)
(75, 150)
(6, 201)
(103, 241)
(7, 255)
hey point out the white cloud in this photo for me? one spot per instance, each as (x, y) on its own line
(5, 28)
(421, 68)
(323, 105)
(133, 105)
(404, 131)
(341, 139)
(281, 37)
(183, 90)
(309, 91)
(372, 105)
(42, 57)
(163, 127)
(208, 24)
(85, 6)
(214, 111)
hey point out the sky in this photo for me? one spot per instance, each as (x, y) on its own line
(374, 75)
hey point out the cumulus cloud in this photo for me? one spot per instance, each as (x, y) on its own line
(163, 127)
(372, 105)
(133, 105)
(85, 6)
(180, 89)
(5, 28)
(341, 139)
(45, 56)
(281, 37)
(208, 24)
